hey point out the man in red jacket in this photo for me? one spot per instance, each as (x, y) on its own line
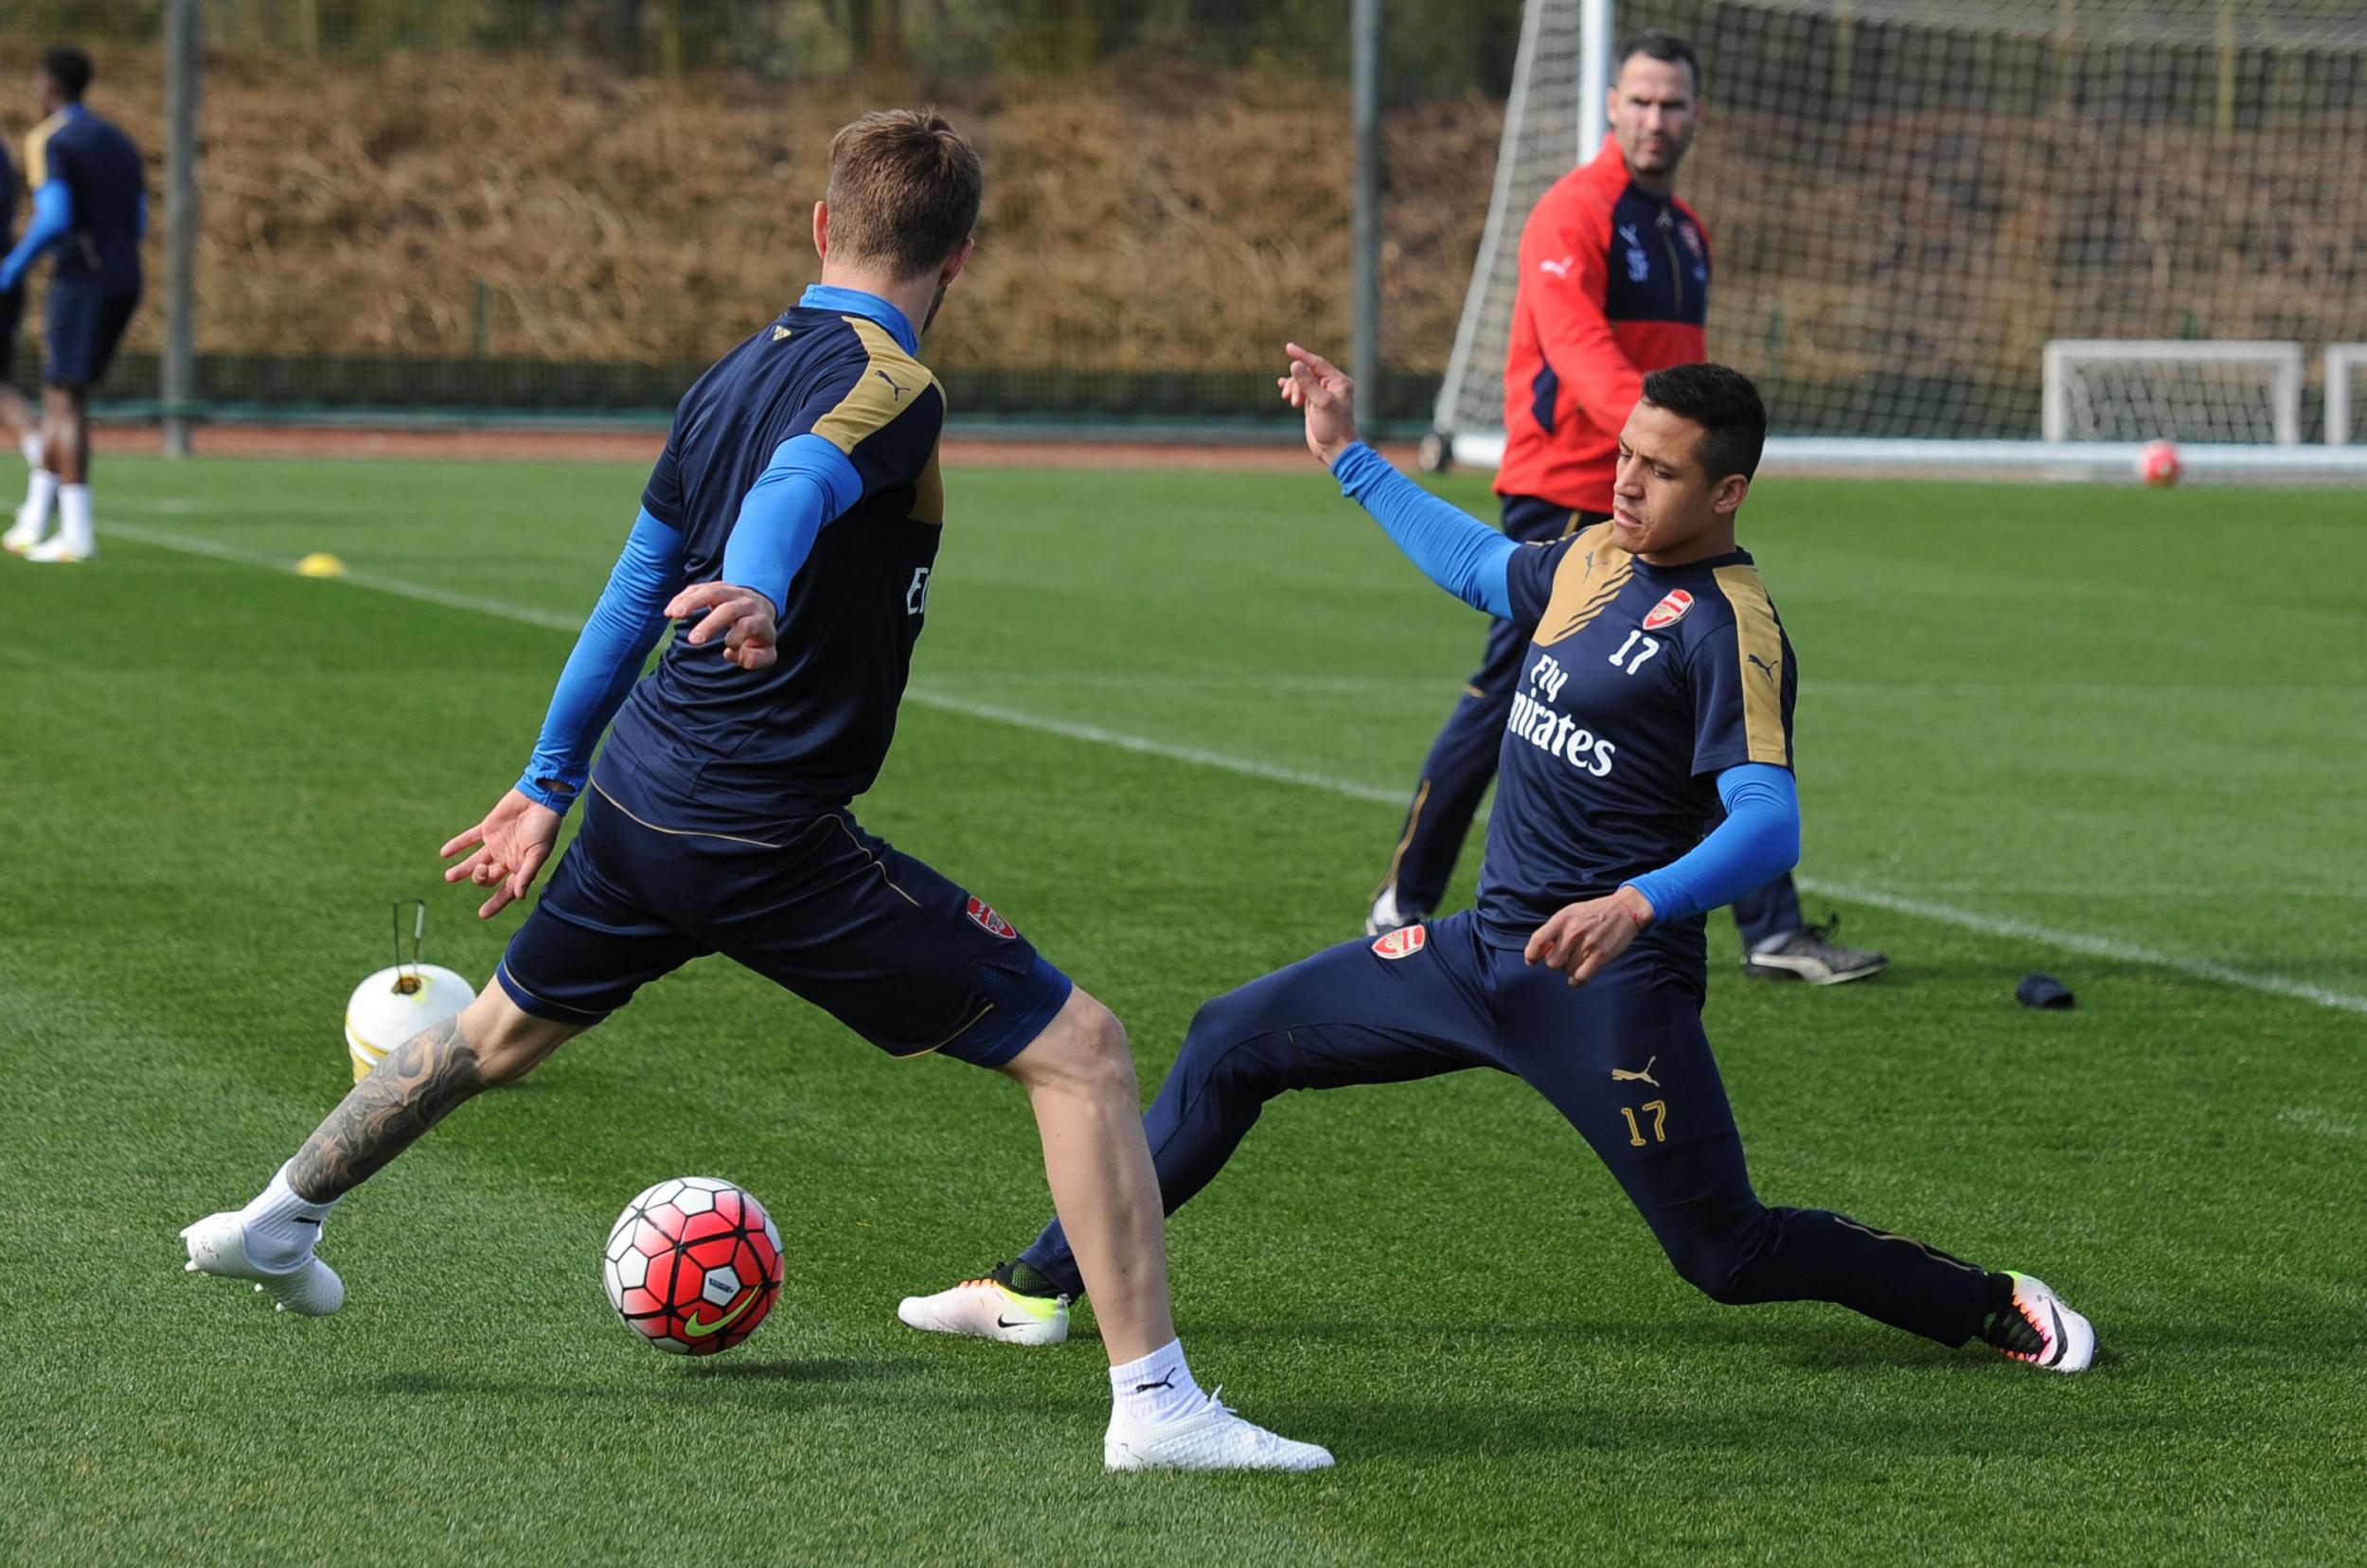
(1614, 282)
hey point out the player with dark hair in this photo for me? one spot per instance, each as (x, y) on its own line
(89, 200)
(1614, 283)
(795, 517)
(1646, 778)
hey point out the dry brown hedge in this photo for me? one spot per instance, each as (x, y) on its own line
(538, 208)
(600, 217)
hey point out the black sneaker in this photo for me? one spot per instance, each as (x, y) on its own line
(1812, 954)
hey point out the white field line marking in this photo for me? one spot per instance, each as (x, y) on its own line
(2318, 1121)
(1173, 753)
(2095, 947)
(401, 587)
(1992, 925)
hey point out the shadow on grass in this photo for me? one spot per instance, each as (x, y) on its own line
(695, 1380)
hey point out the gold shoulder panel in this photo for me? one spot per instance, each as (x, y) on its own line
(889, 385)
(929, 491)
(1759, 643)
(37, 150)
(1588, 578)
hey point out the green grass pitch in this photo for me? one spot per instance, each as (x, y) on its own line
(2114, 734)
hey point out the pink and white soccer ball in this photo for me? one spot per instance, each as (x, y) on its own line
(2157, 464)
(693, 1265)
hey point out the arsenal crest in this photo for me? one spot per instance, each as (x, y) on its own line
(988, 920)
(1669, 611)
(1401, 943)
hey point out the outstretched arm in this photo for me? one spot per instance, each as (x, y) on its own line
(1758, 841)
(1454, 549)
(53, 217)
(607, 659)
(506, 850)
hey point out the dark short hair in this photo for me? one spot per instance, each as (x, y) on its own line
(904, 191)
(1724, 404)
(1661, 44)
(69, 68)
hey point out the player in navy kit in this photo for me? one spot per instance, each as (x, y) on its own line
(90, 203)
(793, 519)
(1656, 693)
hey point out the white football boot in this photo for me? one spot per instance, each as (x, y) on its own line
(2043, 1331)
(55, 550)
(218, 1246)
(24, 532)
(988, 1309)
(1387, 914)
(1211, 1438)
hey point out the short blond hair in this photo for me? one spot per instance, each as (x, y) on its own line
(904, 191)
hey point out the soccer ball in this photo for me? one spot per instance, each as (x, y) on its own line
(692, 1265)
(2158, 465)
(395, 1004)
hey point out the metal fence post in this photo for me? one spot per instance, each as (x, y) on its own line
(179, 367)
(1364, 221)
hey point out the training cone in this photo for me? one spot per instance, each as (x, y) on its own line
(320, 563)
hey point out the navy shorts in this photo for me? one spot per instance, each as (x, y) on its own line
(86, 322)
(871, 935)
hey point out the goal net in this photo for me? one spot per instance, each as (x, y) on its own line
(1909, 200)
(2108, 389)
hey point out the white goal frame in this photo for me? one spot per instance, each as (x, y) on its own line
(2342, 360)
(2284, 360)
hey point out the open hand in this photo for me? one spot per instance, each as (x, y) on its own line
(1580, 938)
(1323, 392)
(741, 617)
(508, 851)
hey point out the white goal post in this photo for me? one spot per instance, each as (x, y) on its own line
(2002, 237)
(2342, 360)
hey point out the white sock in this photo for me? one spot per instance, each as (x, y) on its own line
(282, 1228)
(41, 490)
(32, 449)
(1157, 1388)
(74, 524)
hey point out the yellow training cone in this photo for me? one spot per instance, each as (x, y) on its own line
(320, 563)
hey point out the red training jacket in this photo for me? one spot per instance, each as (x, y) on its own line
(1614, 283)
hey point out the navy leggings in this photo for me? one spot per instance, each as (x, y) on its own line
(1622, 1058)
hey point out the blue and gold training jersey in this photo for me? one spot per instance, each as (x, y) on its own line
(703, 743)
(1643, 682)
(102, 170)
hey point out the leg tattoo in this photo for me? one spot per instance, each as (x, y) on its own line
(420, 1083)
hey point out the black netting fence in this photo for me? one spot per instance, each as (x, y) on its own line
(568, 207)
